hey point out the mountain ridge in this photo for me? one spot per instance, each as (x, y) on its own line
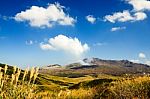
(100, 66)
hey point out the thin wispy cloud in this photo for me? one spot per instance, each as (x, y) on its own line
(30, 42)
(147, 62)
(117, 29)
(100, 44)
(135, 61)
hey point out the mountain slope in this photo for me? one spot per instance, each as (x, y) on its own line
(113, 66)
(99, 66)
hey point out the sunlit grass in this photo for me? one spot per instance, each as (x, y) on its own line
(11, 87)
(29, 84)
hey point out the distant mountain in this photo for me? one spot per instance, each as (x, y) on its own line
(100, 66)
(55, 66)
(122, 63)
(115, 67)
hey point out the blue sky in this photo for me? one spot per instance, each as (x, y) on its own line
(42, 32)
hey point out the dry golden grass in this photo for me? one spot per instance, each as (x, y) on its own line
(131, 88)
(13, 88)
(70, 80)
(76, 94)
(20, 85)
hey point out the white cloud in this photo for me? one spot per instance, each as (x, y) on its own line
(135, 61)
(6, 18)
(142, 59)
(66, 44)
(139, 5)
(91, 19)
(46, 46)
(82, 62)
(117, 28)
(125, 16)
(30, 42)
(140, 16)
(45, 17)
(99, 44)
(142, 55)
(119, 16)
(147, 62)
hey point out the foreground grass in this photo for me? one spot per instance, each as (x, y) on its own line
(135, 88)
(132, 88)
(19, 84)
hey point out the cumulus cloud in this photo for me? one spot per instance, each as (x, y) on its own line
(117, 28)
(46, 46)
(66, 44)
(91, 19)
(139, 5)
(142, 55)
(136, 14)
(45, 17)
(125, 16)
(139, 16)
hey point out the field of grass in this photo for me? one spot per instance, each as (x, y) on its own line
(29, 84)
(103, 87)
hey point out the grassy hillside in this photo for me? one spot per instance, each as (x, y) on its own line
(75, 86)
